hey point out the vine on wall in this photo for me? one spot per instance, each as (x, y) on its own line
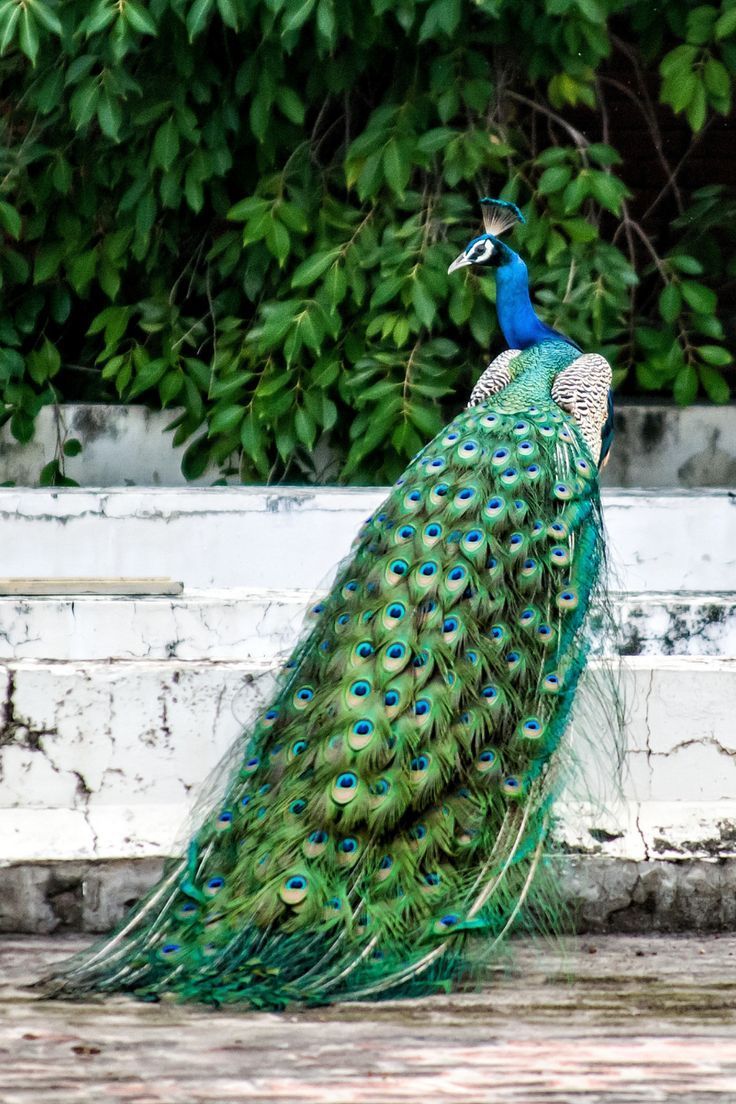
(245, 209)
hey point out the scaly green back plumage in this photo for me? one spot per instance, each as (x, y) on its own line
(391, 804)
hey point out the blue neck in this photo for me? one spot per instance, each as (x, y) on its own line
(520, 325)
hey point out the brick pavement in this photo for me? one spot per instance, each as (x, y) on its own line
(604, 1020)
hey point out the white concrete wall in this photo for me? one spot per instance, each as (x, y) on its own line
(657, 445)
(113, 710)
(293, 536)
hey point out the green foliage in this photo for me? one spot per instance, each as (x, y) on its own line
(245, 209)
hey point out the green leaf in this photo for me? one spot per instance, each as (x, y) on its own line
(290, 105)
(198, 17)
(47, 18)
(699, 297)
(686, 385)
(715, 354)
(166, 144)
(147, 377)
(297, 13)
(726, 23)
(43, 363)
(28, 38)
(714, 385)
(423, 303)
(670, 302)
(83, 103)
(554, 179)
(225, 420)
(313, 267)
(278, 241)
(196, 458)
(10, 220)
(137, 16)
(72, 447)
(109, 116)
(396, 166)
(685, 263)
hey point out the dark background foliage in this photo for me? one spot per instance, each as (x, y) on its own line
(245, 209)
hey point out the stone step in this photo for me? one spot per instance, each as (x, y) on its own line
(102, 760)
(223, 537)
(251, 624)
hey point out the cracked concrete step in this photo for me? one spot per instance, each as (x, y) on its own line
(225, 537)
(101, 760)
(244, 624)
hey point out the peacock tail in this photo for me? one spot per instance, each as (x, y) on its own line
(388, 813)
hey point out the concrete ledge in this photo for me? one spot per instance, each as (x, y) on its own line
(603, 895)
(260, 624)
(226, 537)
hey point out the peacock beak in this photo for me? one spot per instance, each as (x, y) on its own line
(459, 262)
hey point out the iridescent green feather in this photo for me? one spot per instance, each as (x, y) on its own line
(390, 807)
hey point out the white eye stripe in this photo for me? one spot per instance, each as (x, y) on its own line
(482, 251)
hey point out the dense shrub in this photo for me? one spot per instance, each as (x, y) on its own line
(246, 208)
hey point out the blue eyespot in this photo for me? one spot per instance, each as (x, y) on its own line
(391, 698)
(305, 693)
(420, 763)
(515, 539)
(433, 530)
(348, 845)
(465, 494)
(318, 836)
(432, 878)
(414, 496)
(272, 714)
(501, 454)
(225, 818)
(497, 632)
(396, 651)
(170, 948)
(361, 688)
(474, 536)
(450, 624)
(441, 490)
(428, 569)
(296, 882)
(215, 883)
(386, 863)
(421, 707)
(297, 807)
(347, 781)
(489, 692)
(298, 747)
(512, 657)
(365, 649)
(364, 728)
(343, 619)
(406, 532)
(396, 611)
(399, 567)
(457, 573)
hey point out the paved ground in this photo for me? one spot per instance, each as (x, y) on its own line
(606, 1020)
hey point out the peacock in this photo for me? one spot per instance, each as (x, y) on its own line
(384, 824)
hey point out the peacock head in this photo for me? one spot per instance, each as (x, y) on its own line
(488, 250)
